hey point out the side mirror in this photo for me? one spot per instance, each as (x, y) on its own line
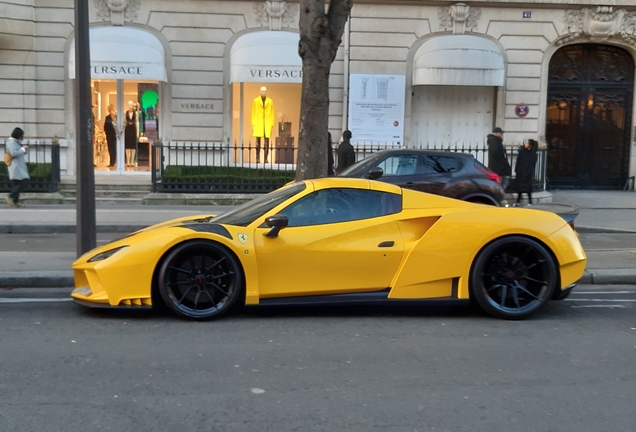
(276, 223)
(375, 173)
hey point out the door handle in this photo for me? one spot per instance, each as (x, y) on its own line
(386, 244)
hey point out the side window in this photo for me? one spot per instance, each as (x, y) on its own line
(442, 164)
(423, 166)
(341, 205)
(399, 165)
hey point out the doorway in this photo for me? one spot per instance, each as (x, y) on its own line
(589, 112)
(126, 114)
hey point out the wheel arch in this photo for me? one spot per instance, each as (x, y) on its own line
(480, 198)
(155, 295)
(538, 240)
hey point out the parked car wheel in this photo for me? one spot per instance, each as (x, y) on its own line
(513, 277)
(200, 280)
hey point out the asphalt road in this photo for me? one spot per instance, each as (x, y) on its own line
(431, 367)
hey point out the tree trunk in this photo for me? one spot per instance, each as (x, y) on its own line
(320, 36)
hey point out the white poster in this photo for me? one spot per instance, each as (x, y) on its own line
(376, 109)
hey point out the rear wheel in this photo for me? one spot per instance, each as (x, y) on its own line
(200, 280)
(513, 277)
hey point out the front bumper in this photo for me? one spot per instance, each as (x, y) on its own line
(564, 293)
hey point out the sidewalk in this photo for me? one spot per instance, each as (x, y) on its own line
(599, 212)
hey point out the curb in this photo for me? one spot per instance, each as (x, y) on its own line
(165, 198)
(65, 229)
(601, 230)
(37, 279)
(64, 278)
(609, 277)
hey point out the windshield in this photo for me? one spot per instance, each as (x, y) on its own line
(362, 166)
(252, 210)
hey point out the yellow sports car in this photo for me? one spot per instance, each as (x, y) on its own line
(338, 240)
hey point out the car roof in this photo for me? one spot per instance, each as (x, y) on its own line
(452, 153)
(353, 182)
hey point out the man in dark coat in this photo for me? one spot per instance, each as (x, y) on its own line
(524, 170)
(330, 163)
(346, 154)
(497, 159)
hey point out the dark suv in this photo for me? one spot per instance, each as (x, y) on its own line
(454, 175)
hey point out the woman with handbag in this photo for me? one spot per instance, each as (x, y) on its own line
(18, 172)
(524, 170)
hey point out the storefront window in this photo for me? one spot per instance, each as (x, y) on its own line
(283, 137)
(126, 114)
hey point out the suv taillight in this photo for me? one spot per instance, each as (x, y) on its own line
(491, 175)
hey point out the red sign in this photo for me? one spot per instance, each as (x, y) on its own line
(522, 110)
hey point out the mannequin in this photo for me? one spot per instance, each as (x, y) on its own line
(131, 133)
(110, 129)
(262, 122)
(141, 118)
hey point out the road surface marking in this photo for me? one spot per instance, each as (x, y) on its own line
(602, 292)
(598, 306)
(602, 300)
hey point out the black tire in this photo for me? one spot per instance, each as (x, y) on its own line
(513, 277)
(200, 280)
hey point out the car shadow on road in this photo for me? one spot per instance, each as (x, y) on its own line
(416, 309)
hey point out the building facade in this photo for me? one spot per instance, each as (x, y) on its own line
(409, 73)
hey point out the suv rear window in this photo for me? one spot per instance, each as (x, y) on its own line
(442, 164)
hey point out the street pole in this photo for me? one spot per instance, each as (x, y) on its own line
(85, 178)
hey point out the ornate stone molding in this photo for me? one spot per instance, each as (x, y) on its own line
(598, 25)
(117, 11)
(459, 18)
(276, 13)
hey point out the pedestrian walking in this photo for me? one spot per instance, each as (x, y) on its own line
(524, 170)
(330, 162)
(346, 154)
(497, 157)
(18, 172)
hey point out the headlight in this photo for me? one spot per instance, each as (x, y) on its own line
(102, 256)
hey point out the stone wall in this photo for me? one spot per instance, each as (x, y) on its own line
(35, 91)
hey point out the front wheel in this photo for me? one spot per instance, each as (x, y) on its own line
(513, 277)
(200, 280)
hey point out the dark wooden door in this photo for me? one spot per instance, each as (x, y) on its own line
(589, 112)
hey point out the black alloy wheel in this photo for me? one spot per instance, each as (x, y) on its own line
(200, 280)
(513, 277)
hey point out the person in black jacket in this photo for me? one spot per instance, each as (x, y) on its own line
(330, 163)
(524, 169)
(497, 158)
(110, 129)
(346, 154)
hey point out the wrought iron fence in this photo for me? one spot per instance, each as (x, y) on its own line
(207, 167)
(43, 163)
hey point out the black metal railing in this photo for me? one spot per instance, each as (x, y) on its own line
(208, 167)
(43, 164)
(205, 167)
